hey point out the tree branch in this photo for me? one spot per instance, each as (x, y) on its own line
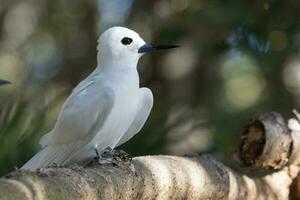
(174, 177)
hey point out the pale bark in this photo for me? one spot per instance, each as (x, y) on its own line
(174, 177)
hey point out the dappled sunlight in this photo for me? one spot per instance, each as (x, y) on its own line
(19, 24)
(195, 140)
(164, 180)
(291, 75)
(162, 9)
(180, 6)
(43, 57)
(243, 84)
(12, 69)
(113, 12)
(70, 9)
(196, 173)
(179, 63)
(188, 133)
(172, 174)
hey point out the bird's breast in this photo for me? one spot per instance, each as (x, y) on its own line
(120, 118)
(125, 87)
(125, 80)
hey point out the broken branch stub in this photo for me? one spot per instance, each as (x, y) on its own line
(266, 143)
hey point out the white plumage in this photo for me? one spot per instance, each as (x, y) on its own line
(106, 109)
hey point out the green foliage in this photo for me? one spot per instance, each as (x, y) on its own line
(19, 134)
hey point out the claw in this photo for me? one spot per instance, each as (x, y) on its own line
(55, 165)
(121, 155)
(105, 161)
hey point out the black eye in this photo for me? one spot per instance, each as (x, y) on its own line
(126, 41)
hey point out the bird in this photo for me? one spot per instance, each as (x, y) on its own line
(104, 110)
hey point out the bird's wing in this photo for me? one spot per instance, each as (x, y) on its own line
(91, 79)
(82, 113)
(142, 114)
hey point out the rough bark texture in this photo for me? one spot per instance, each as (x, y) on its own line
(152, 177)
(267, 143)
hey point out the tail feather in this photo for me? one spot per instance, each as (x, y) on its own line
(50, 155)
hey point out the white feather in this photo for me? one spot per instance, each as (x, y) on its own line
(141, 116)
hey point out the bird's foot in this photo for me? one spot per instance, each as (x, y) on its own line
(108, 153)
(54, 165)
(121, 155)
(105, 161)
(112, 156)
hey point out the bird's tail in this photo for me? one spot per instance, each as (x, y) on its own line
(51, 155)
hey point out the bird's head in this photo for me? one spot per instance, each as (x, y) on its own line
(119, 46)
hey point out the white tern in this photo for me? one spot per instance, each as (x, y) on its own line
(106, 109)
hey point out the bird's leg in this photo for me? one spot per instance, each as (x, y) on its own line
(98, 157)
(105, 157)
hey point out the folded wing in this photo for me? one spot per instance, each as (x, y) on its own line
(81, 114)
(142, 114)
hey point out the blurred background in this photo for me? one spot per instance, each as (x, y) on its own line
(238, 59)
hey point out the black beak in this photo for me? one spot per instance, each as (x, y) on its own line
(147, 48)
(3, 82)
